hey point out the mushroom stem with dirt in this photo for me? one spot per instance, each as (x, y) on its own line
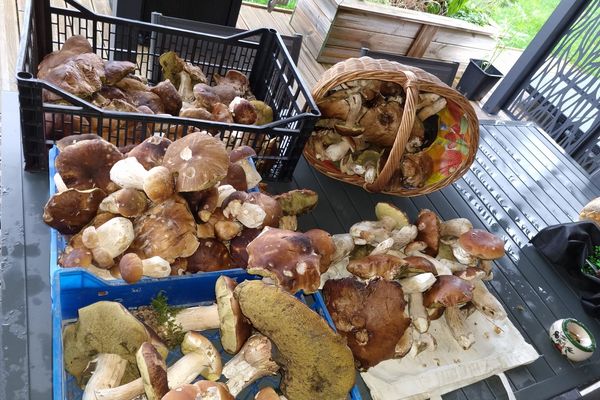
(251, 363)
(106, 370)
(483, 300)
(200, 358)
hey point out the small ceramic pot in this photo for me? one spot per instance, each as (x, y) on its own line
(572, 339)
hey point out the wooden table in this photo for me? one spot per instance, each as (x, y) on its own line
(520, 182)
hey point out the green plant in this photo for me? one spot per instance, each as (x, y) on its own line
(592, 264)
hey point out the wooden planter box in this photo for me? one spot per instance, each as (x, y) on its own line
(335, 30)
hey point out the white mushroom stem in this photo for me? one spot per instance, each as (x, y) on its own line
(404, 344)
(253, 178)
(337, 151)
(382, 247)
(441, 268)
(455, 227)
(486, 265)
(184, 370)
(417, 312)
(251, 215)
(128, 173)
(404, 236)
(418, 283)
(251, 363)
(422, 342)
(486, 302)
(100, 272)
(372, 232)
(109, 240)
(223, 192)
(156, 267)
(453, 265)
(59, 183)
(344, 244)
(199, 318)
(107, 373)
(455, 319)
(427, 99)
(432, 109)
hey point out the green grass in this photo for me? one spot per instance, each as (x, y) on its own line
(520, 22)
(290, 6)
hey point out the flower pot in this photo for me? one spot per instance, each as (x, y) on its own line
(572, 339)
(475, 82)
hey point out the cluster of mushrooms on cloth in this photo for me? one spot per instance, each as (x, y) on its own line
(163, 208)
(391, 128)
(113, 85)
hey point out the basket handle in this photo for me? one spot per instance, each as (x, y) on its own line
(402, 136)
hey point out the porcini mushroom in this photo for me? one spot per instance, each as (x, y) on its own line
(287, 257)
(267, 393)
(381, 123)
(69, 211)
(106, 370)
(252, 362)
(87, 164)
(243, 111)
(105, 327)
(451, 292)
(428, 225)
(370, 316)
(126, 202)
(237, 247)
(198, 160)
(153, 371)
(389, 210)
(240, 156)
(297, 201)
(109, 240)
(382, 265)
(416, 169)
(482, 299)
(477, 244)
(253, 210)
(151, 151)
(323, 245)
(200, 357)
(234, 328)
(169, 96)
(133, 267)
(211, 255)
(372, 232)
(315, 361)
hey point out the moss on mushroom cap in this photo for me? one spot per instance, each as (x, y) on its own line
(198, 160)
(315, 360)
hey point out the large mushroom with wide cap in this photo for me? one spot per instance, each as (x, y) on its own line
(70, 211)
(478, 245)
(151, 151)
(286, 257)
(198, 161)
(315, 361)
(371, 316)
(86, 165)
(167, 230)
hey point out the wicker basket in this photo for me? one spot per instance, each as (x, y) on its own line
(413, 80)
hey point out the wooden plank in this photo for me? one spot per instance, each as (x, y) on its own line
(364, 21)
(462, 38)
(320, 22)
(313, 40)
(355, 39)
(333, 54)
(422, 41)
(416, 16)
(9, 44)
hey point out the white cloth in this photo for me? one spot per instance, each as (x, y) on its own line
(449, 367)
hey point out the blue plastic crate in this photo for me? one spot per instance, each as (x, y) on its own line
(58, 244)
(69, 296)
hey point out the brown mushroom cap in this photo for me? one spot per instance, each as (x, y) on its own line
(131, 268)
(323, 245)
(236, 177)
(198, 160)
(234, 327)
(369, 315)
(72, 139)
(235, 79)
(211, 255)
(428, 226)
(151, 151)
(240, 153)
(205, 96)
(287, 257)
(169, 96)
(114, 71)
(220, 113)
(237, 247)
(196, 113)
(126, 202)
(418, 265)
(482, 244)
(243, 111)
(80, 75)
(448, 291)
(167, 230)
(87, 164)
(381, 123)
(78, 257)
(73, 46)
(153, 370)
(383, 265)
(69, 211)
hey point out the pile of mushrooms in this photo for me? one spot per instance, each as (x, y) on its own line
(389, 278)
(163, 208)
(359, 127)
(113, 85)
(115, 356)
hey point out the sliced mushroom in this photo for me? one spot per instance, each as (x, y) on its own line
(106, 370)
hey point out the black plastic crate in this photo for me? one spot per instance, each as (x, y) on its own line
(260, 54)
